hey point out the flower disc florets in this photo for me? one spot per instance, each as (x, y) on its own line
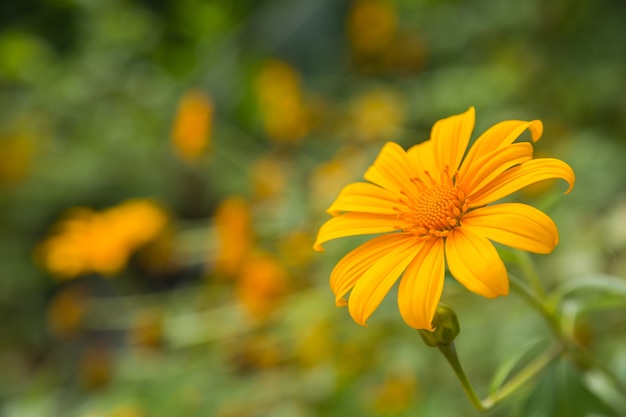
(435, 210)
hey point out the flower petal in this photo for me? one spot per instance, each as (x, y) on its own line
(421, 286)
(391, 169)
(475, 263)
(492, 164)
(450, 137)
(422, 157)
(499, 135)
(352, 224)
(352, 266)
(374, 285)
(519, 177)
(516, 225)
(365, 198)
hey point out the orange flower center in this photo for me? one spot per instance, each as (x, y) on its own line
(434, 211)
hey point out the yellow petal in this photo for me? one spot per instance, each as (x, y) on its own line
(365, 198)
(352, 266)
(475, 263)
(421, 286)
(375, 283)
(450, 137)
(516, 225)
(422, 157)
(492, 164)
(499, 135)
(519, 177)
(352, 224)
(391, 169)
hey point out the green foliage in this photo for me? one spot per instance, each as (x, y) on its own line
(89, 92)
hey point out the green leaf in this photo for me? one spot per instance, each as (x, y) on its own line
(506, 367)
(561, 391)
(601, 282)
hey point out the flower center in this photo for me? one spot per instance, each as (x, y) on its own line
(434, 211)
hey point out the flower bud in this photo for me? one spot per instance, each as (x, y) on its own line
(446, 326)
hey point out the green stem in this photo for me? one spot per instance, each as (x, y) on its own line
(449, 351)
(521, 378)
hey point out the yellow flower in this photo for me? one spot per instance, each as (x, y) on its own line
(437, 204)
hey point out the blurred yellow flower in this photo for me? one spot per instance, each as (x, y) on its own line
(87, 241)
(377, 114)
(192, 125)
(329, 177)
(127, 410)
(267, 177)
(316, 344)
(285, 115)
(437, 203)
(16, 154)
(260, 285)
(371, 25)
(232, 222)
(294, 248)
(396, 394)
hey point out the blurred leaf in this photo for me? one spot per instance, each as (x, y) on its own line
(604, 389)
(506, 367)
(562, 392)
(600, 282)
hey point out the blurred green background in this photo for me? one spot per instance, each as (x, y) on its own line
(165, 165)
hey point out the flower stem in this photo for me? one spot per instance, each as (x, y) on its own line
(521, 378)
(449, 351)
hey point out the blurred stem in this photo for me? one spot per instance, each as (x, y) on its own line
(521, 378)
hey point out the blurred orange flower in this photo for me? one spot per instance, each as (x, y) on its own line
(285, 115)
(232, 222)
(437, 203)
(192, 125)
(88, 241)
(260, 285)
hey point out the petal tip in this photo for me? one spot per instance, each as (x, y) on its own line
(536, 129)
(341, 302)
